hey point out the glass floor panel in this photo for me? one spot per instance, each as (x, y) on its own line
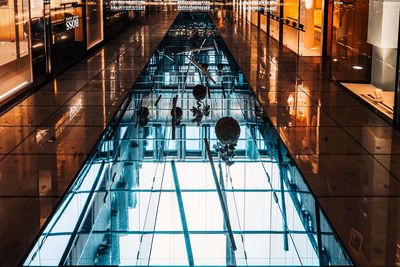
(166, 186)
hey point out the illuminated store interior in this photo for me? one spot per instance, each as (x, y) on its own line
(15, 58)
(297, 24)
(365, 51)
(361, 39)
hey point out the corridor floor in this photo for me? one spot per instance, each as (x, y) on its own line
(47, 137)
(347, 154)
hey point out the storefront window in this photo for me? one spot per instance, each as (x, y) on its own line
(40, 39)
(351, 53)
(94, 22)
(397, 96)
(364, 50)
(274, 19)
(263, 18)
(290, 21)
(67, 33)
(311, 17)
(15, 60)
(302, 26)
(120, 14)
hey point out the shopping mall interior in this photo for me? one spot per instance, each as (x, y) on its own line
(142, 133)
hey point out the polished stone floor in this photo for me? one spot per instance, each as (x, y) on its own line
(347, 154)
(47, 136)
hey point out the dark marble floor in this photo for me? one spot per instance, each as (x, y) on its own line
(347, 154)
(47, 136)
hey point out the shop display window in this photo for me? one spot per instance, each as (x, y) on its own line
(15, 59)
(94, 22)
(349, 42)
(274, 15)
(310, 27)
(301, 22)
(290, 33)
(397, 96)
(67, 33)
(66, 21)
(262, 10)
(302, 26)
(364, 50)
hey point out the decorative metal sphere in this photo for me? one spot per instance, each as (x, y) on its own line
(144, 112)
(205, 66)
(143, 116)
(199, 92)
(179, 112)
(227, 130)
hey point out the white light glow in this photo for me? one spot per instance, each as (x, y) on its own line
(357, 67)
(309, 4)
(13, 90)
(37, 45)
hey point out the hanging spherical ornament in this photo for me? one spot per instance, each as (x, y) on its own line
(227, 130)
(144, 112)
(199, 92)
(205, 66)
(179, 112)
(143, 122)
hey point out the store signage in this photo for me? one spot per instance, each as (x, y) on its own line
(128, 5)
(197, 5)
(71, 22)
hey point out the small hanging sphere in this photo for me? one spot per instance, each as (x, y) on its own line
(144, 112)
(143, 122)
(199, 92)
(179, 112)
(227, 130)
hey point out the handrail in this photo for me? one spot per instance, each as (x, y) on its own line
(182, 214)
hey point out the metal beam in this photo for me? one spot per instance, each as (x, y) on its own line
(239, 190)
(282, 173)
(195, 232)
(230, 254)
(174, 118)
(182, 214)
(220, 196)
(194, 62)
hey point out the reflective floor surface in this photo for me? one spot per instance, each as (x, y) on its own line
(345, 154)
(165, 187)
(47, 137)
